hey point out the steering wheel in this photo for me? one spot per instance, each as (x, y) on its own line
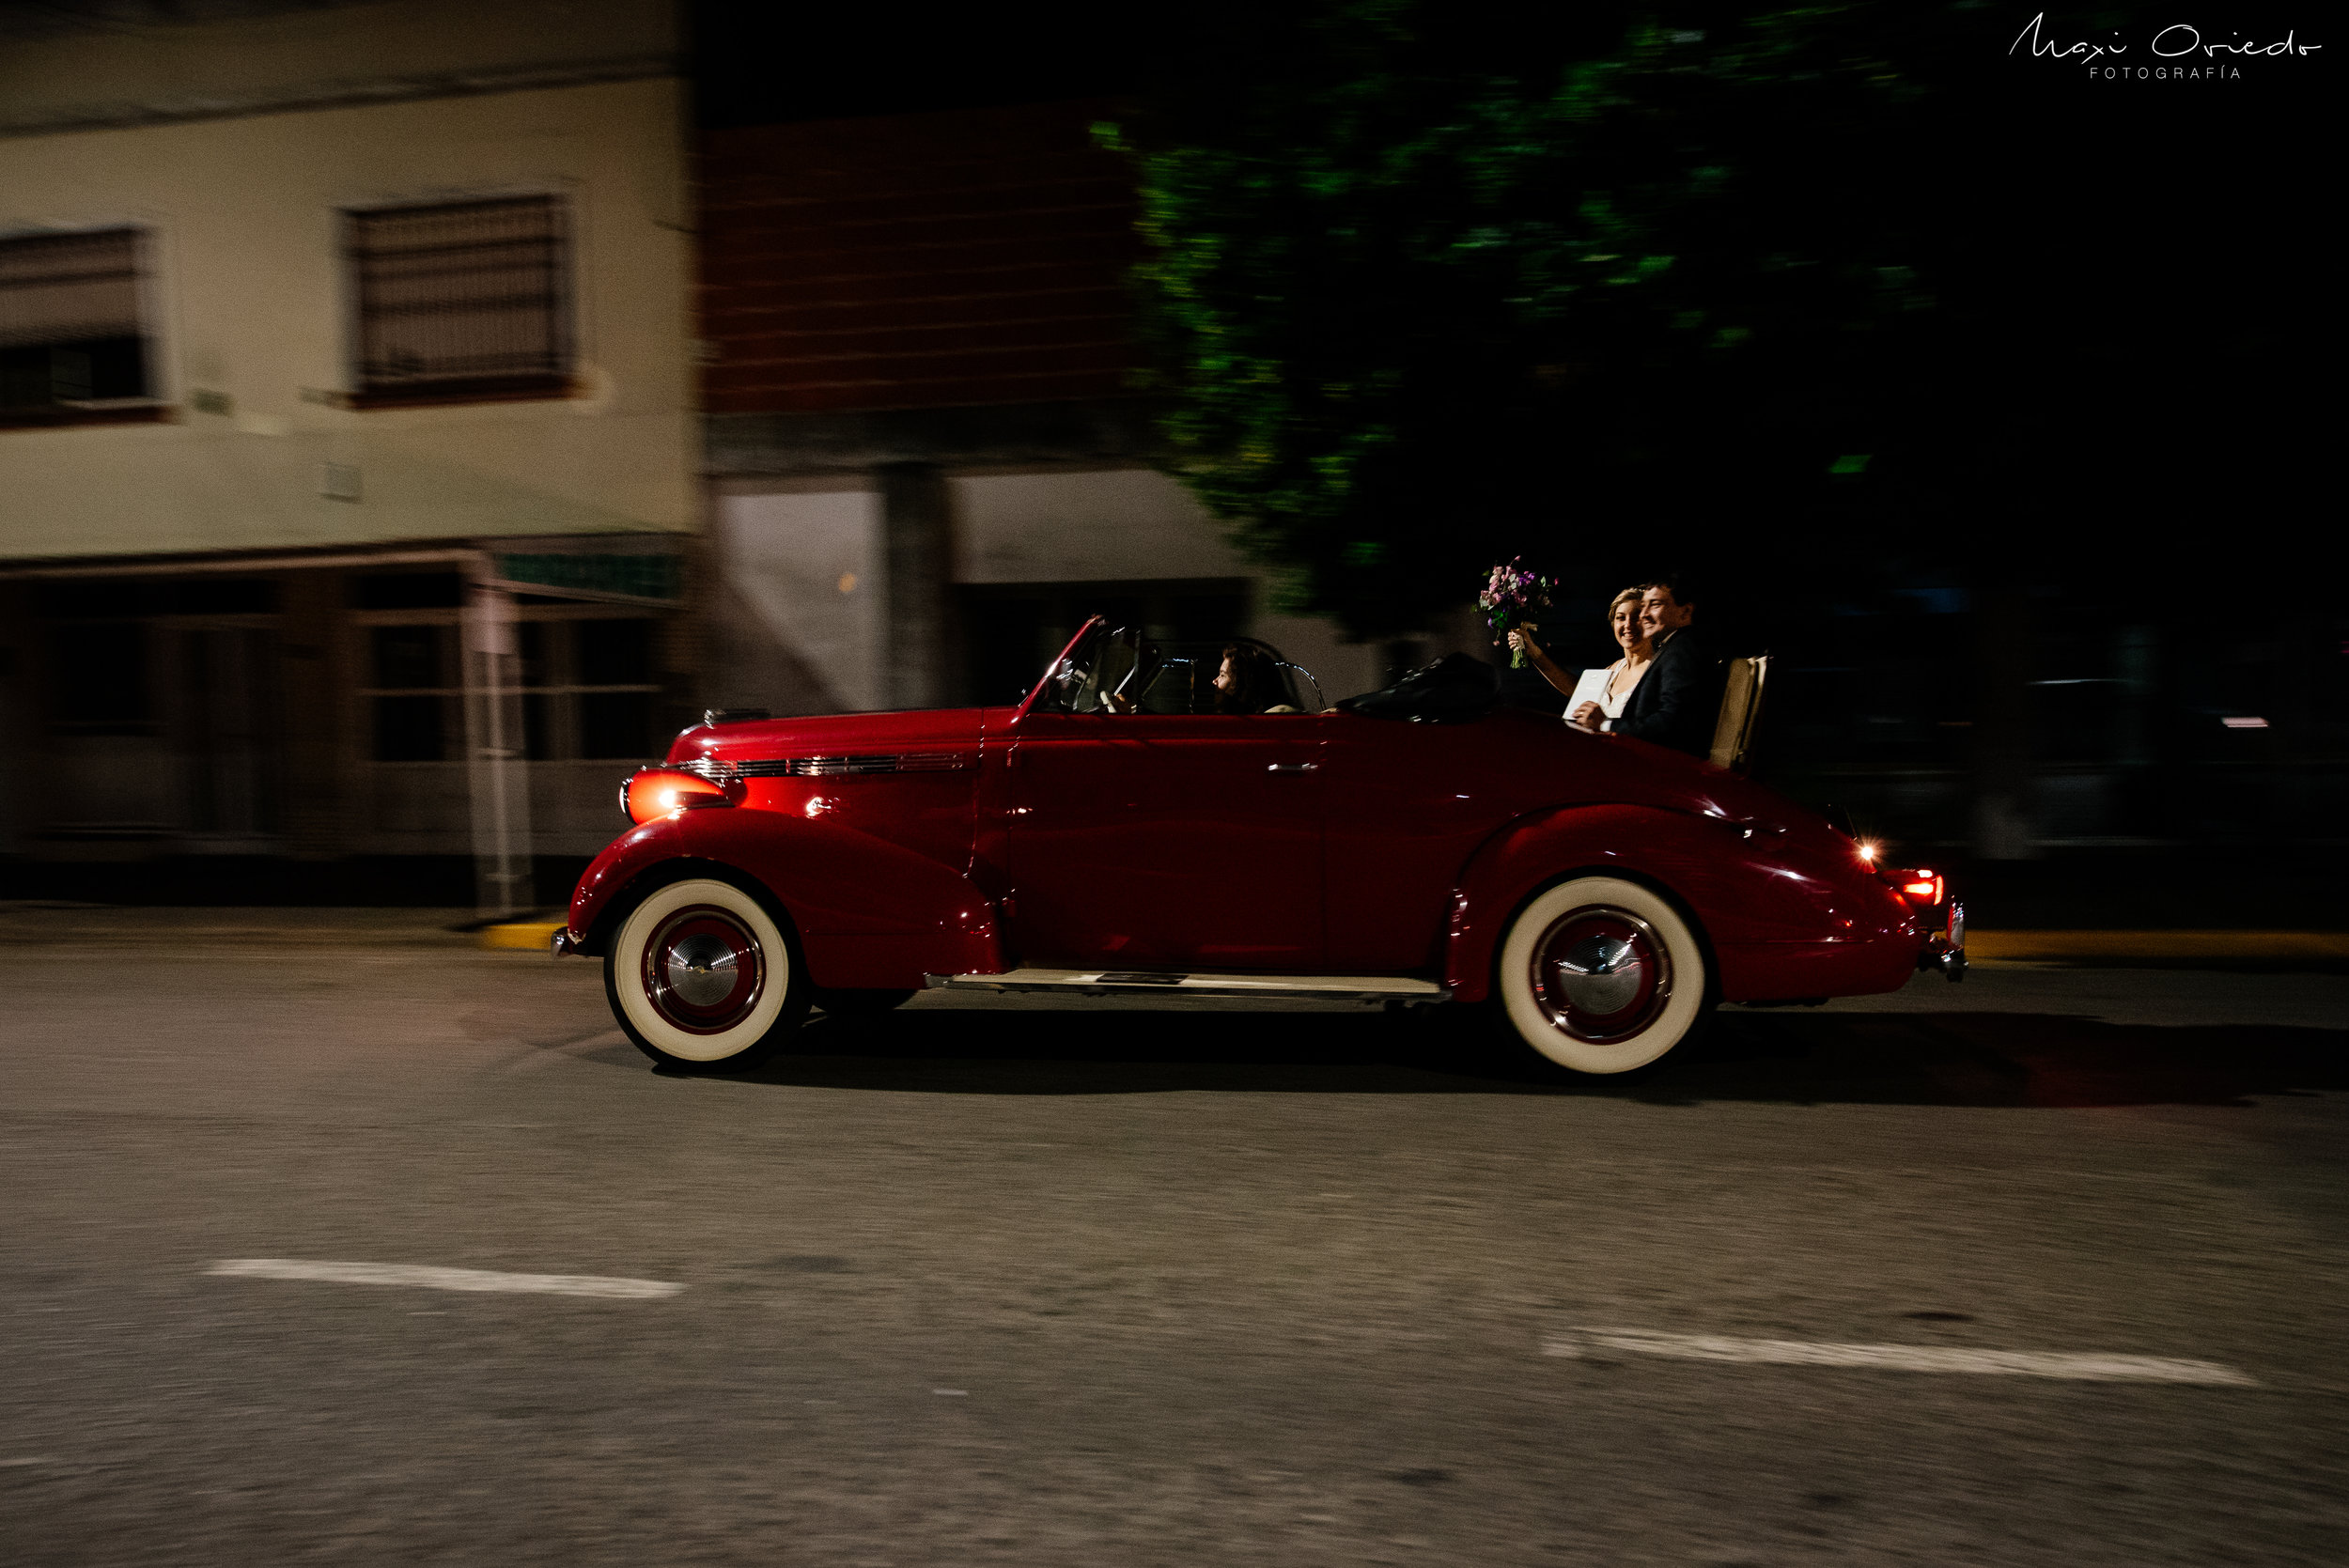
(1146, 665)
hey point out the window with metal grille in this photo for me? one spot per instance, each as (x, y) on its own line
(70, 342)
(465, 300)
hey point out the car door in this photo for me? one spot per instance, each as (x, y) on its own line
(1166, 841)
(1409, 804)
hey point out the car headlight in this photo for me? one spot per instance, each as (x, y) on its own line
(660, 790)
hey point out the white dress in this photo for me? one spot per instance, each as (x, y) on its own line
(1591, 688)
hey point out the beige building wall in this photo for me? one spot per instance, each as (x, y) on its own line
(135, 65)
(188, 700)
(247, 306)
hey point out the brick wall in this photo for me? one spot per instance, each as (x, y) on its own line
(914, 262)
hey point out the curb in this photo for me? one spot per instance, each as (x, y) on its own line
(533, 935)
(2057, 946)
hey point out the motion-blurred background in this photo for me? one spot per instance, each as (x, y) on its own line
(412, 413)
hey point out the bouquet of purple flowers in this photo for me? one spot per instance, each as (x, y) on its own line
(1512, 597)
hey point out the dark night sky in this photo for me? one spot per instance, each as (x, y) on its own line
(761, 64)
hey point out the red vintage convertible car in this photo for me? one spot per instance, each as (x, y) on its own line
(1130, 828)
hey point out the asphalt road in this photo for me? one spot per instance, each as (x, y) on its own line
(972, 1284)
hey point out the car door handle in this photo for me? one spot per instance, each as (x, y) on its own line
(1292, 766)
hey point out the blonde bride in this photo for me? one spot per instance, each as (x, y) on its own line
(1600, 694)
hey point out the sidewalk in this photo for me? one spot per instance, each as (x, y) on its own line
(2280, 948)
(30, 923)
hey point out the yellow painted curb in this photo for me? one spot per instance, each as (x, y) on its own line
(2055, 945)
(533, 935)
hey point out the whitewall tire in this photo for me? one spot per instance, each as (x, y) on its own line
(1602, 975)
(701, 975)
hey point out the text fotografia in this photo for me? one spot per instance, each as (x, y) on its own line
(2178, 53)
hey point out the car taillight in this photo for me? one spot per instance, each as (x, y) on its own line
(651, 792)
(1920, 887)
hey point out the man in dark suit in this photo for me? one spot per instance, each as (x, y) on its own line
(1678, 701)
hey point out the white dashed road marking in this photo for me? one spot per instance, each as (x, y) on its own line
(2090, 1366)
(441, 1279)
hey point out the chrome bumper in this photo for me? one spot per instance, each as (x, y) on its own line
(1945, 950)
(1950, 961)
(563, 943)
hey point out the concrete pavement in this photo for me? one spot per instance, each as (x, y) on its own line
(980, 1282)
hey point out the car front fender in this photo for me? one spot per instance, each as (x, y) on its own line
(624, 861)
(869, 913)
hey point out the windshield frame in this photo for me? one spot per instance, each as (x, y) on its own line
(1045, 693)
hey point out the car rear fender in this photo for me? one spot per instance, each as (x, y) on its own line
(869, 913)
(1774, 919)
(1641, 843)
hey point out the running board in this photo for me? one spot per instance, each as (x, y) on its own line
(1368, 988)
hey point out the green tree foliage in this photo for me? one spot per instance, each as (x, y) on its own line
(1428, 288)
(1429, 285)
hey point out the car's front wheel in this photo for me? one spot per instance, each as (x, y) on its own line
(1601, 975)
(701, 975)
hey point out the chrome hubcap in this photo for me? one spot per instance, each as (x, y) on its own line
(1602, 975)
(701, 969)
(704, 970)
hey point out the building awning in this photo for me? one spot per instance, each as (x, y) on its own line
(647, 579)
(645, 571)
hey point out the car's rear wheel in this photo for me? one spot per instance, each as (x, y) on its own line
(702, 976)
(1602, 975)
